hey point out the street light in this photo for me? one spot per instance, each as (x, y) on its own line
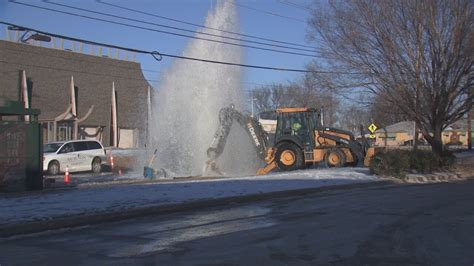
(15, 28)
(35, 36)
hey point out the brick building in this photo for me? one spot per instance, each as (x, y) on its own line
(48, 74)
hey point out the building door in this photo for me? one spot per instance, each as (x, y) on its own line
(64, 131)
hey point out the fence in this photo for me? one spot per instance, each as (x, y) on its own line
(20, 149)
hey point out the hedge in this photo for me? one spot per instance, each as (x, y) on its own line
(398, 163)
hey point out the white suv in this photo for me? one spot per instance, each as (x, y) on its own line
(76, 155)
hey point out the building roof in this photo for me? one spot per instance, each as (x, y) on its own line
(400, 127)
(460, 125)
(407, 127)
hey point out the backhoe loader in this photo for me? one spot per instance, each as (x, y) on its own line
(299, 140)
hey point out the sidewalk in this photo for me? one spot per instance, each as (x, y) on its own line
(62, 208)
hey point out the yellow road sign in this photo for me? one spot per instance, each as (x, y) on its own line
(372, 127)
(372, 136)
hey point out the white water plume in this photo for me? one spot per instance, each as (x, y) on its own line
(187, 104)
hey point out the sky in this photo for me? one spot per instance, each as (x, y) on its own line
(287, 22)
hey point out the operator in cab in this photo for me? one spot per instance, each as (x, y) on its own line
(296, 127)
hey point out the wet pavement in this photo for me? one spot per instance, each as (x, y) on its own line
(385, 225)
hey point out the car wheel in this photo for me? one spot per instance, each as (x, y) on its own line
(289, 157)
(53, 168)
(96, 165)
(335, 158)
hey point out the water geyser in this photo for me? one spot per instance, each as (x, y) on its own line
(187, 103)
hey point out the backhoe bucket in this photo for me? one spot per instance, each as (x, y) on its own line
(371, 152)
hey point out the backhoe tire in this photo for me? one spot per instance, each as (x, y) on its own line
(289, 157)
(335, 158)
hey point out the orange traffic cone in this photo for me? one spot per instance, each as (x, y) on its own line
(67, 178)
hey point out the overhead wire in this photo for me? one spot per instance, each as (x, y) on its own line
(199, 25)
(244, 82)
(75, 59)
(158, 55)
(292, 4)
(177, 28)
(101, 74)
(269, 13)
(81, 60)
(162, 31)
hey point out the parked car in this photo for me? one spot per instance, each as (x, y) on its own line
(76, 155)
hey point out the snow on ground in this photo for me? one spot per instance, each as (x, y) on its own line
(50, 204)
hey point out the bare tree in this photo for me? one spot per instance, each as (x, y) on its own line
(383, 113)
(300, 93)
(269, 97)
(352, 117)
(416, 56)
(314, 94)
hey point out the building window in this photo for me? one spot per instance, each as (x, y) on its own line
(50, 132)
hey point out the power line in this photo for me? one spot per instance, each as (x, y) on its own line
(269, 13)
(80, 60)
(161, 31)
(75, 59)
(97, 74)
(151, 70)
(198, 25)
(177, 28)
(158, 56)
(274, 14)
(292, 4)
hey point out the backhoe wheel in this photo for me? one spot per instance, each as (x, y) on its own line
(335, 158)
(289, 157)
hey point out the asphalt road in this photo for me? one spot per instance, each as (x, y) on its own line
(385, 225)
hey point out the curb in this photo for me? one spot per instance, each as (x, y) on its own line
(9, 230)
(435, 177)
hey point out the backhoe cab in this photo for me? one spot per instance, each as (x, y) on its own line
(300, 139)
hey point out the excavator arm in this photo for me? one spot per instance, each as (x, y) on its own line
(227, 116)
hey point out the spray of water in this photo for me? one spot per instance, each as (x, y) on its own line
(186, 106)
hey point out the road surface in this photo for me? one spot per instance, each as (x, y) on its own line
(384, 225)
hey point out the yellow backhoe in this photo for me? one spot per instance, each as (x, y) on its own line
(299, 140)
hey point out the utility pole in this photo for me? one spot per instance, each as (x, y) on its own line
(417, 86)
(251, 103)
(321, 114)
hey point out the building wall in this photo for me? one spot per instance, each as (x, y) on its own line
(49, 71)
(268, 125)
(394, 139)
(455, 137)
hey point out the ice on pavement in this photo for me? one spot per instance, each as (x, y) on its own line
(116, 197)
